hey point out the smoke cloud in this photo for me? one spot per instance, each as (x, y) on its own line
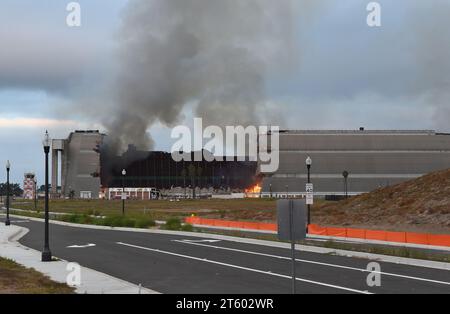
(214, 54)
(432, 51)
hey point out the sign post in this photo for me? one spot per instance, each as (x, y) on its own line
(291, 216)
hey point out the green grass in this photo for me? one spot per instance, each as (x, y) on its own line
(136, 221)
(242, 209)
(16, 279)
(111, 221)
(176, 224)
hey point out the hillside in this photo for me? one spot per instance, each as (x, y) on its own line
(422, 204)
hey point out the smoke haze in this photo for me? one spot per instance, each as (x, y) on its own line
(215, 54)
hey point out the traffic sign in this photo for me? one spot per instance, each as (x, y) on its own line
(309, 194)
(291, 214)
(292, 222)
(309, 199)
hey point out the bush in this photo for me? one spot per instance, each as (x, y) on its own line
(172, 224)
(144, 223)
(73, 218)
(176, 225)
(118, 221)
(111, 221)
(78, 219)
(187, 228)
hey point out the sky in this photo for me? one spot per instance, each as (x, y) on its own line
(344, 74)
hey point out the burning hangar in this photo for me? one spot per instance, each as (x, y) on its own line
(87, 170)
(373, 159)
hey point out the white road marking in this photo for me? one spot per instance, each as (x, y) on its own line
(197, 241)
(245, 268)
(317, 263)
(81, 246)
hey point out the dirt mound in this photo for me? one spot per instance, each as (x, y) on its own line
(422, 204)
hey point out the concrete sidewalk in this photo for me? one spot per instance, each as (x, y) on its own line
(92, 282)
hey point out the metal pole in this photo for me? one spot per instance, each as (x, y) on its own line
(46, 253)
(35, 195)
(309, 206)
(291, 229)
(123, 195)
(7, 221)
(346, 188)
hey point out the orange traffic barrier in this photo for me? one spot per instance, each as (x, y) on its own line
(399, 237)
(236, 224)
(439, 239)
(416, 238)
(356, 233)
(336, 232)
(375, 235)
(268, 226)
(317, 230)
(251, 225)
(396, 236)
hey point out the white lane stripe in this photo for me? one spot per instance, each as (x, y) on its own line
(317, 263)
(245, 268)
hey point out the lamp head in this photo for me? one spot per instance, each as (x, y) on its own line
(8, 165)
(308, 161)
(46, 140)
(124, 172)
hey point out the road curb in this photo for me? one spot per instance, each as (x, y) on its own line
(93, 282)
(312, 249)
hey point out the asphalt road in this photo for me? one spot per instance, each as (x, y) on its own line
(179, 264)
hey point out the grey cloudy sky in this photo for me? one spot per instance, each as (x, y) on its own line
(343, 74)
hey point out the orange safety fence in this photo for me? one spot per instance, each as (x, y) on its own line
(390, 236)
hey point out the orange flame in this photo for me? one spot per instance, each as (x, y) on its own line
(254, 189)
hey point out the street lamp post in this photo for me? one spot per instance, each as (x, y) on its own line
(124, 173)
(8, 167)
(35, 194)
(287, 191)
(270, 189)
(308, 166)
(46, 253)
(345, 175)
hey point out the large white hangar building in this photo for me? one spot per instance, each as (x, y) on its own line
(373, 159)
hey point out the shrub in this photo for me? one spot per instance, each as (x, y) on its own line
(172, 224)
(144, 223)
(118, 221)
(176, 225)
(187, 227)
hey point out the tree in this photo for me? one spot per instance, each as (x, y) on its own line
(14, 189)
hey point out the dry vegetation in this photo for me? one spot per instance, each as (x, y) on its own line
(16, 279)
(417, 205)
(421, 205)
